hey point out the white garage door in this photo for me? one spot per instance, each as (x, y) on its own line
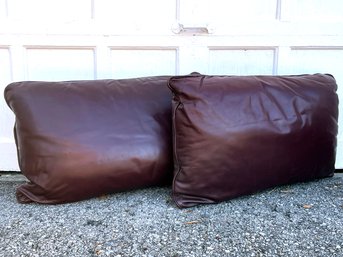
(95, 39)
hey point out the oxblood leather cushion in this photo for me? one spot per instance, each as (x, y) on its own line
(237, 135)
(81, 139)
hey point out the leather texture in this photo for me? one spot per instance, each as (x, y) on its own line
(81, 139)
(235, 135)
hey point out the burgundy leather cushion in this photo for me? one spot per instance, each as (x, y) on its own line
(81, 139)
(237, 135)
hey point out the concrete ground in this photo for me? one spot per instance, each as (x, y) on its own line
(299, 220)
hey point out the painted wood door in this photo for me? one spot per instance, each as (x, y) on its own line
(95, 39)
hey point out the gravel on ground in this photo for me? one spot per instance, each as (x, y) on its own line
(305, 219)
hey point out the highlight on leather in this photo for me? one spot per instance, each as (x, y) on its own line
(236, 135)
(81, 139)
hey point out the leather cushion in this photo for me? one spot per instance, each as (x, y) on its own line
(80, 139)
(235, 135)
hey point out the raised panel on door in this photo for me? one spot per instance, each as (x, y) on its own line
(320, 60)
(312, 10)
(8, 160)
(60, 64)
(52, 10)
(313, 17)
(59, 17)
(241, 61)
(135, 16)
(193, 12)
(229, 13)
(126, 63)
(224, 17)
(234, 11)
(6, 116)
(3, 9)
(5, 65)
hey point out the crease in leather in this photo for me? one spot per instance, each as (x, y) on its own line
(177, 165)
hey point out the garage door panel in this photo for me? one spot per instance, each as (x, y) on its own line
(231, 10)
(324, 59)
(229, 16)
(5, 65)
(193, 12)
(8, 159)
(3, 9)
(60, 64)
(241, 61)
(328, 10)
(135, 16)
(5, 78)
(99, 39)
(126, 63)
(43, 10)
